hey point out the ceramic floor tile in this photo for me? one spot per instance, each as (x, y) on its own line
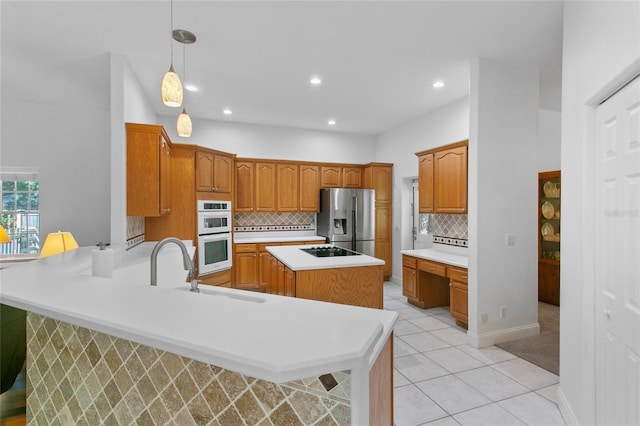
(399, 379)
(418, 367)
(429, 323)
(453, 335)
(403, 327)
(445, 421)
(488, 415)
(424, 341)
(489, 355)
(402, 348)
(394, 304)
(492, 384)
(409, 313)
(446, 318)
(453, 359)
(452, 394)
(527, 374)
(441, 310)
(412, 407)
(551, 393)
(533, 410)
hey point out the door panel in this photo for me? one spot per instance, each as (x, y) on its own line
(617, 250)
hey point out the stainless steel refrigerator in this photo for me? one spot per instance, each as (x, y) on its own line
(347, 218)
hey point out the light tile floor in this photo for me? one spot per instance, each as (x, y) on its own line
(439, 379)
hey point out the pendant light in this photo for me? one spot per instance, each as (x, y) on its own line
(171, 89)
(183, 125)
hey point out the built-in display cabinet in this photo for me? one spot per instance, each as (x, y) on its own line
(549, 237)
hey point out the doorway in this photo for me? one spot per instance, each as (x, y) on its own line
(421, 223)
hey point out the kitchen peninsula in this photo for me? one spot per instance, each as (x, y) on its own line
(119, 350)
(351, 279)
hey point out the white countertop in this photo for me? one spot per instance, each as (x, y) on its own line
(298, 260)
(439, 256)
(270, 337)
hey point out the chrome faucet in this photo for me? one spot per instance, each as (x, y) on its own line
(186, 260)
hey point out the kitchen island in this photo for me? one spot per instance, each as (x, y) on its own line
(121, 351)
(353, 280)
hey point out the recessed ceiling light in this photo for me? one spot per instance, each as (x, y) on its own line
(332, 122)
(315, 81)
(190, 87)
(227, 111)
(438, 84)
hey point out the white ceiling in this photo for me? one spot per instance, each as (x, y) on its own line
(377, 59)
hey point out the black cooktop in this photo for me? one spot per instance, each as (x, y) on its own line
(329, 251)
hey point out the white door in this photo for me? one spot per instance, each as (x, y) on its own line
(617, 264)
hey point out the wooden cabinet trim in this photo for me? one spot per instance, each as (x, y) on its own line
(443, 147)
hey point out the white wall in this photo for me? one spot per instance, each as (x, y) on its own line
(399, 145)
(600, 40)
(284, 143)
(548, 140)
(64, 134)
(504, 103)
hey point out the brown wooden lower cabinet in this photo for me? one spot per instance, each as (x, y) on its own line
(220, 279)
(549, 281)
(429, 284)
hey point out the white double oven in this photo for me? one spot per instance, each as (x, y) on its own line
(214, 236)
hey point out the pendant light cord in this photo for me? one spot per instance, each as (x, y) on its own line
(171, 32)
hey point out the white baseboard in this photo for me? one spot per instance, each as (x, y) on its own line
(565, 409)
(499, 336)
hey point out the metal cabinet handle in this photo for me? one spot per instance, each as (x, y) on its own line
(464, 277)
(432, 269)
(606, 312)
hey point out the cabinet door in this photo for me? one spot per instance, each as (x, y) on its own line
(280, 278)
(265, 187)
(425, 183)
(383, 222)
(409, 283)
(309, 188)
(352, 177)
(264, 264)
(289, 282)
(246, 266)
(245, 185)
(383, 251)
(165, 176)
(222, 173)
(204, 171)
(450, 180)
(272, 284)
(148, 166)
(330, 177)
(287, 192)
(458, 302)
(382, 183)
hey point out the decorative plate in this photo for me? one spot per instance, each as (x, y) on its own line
(547, 229)
(547, 210)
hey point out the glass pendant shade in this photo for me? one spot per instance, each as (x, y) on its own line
(172, 89)
(184, 124)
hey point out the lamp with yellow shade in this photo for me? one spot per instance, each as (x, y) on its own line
(58, 242)
(4, 238)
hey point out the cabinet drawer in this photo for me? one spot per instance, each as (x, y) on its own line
(409, 262)
(263, 247)
(432, 267)
(222, 278)
(245, 248)
(458, 275)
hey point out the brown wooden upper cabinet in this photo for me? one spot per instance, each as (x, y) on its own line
(446, 190)
(330, 177)
(309, 188)
(148, 170)
(352, 177)
(287, 192)
(245, 186)
(265, 187)
(213, 172)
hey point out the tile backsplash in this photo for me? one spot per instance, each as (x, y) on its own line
(135, 231)
(451, 229)
(251, 222)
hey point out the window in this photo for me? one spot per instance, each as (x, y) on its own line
(20, 213)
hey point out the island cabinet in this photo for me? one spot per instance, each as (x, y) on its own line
(430, 284)
(148, 170)
(214, 172)
(442, 177)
